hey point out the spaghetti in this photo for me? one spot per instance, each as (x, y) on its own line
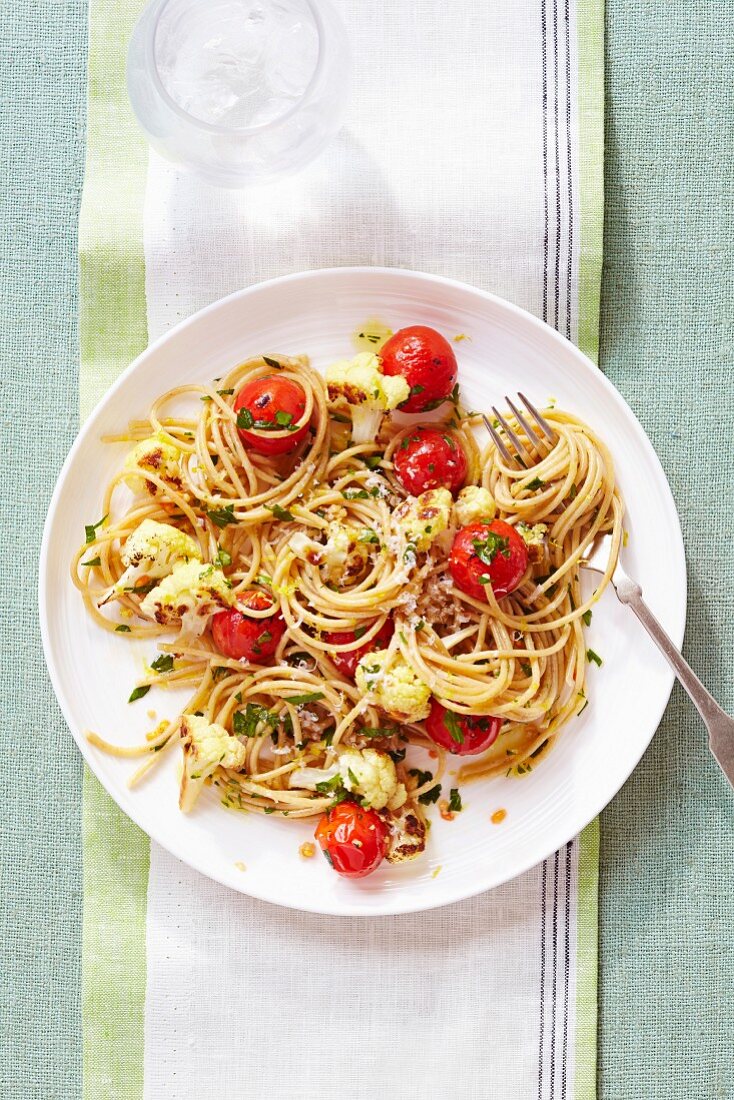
(322, 532)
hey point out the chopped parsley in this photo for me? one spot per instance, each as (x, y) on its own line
(340, 418)
(455, 805)
(225, 393)
(219, 672)
(92, 562)
(452, 724)
(572, 492)
(489, 547)
(90, 530)
(245, 723)
(536, 483)
(164, 663)
(283, 419)
(591, 656)
(223, 557)
(379, 731)
(272, 362)
(368, 535)
(527, 668)
(587, 617)
(222, 516)
(419, 626)
(139, 692)
(281, 513)
(360, 631)
(415, 390)
(421, 777)
(307, 697)
(372, 461)
(356, 494)
(430, 796)
(122, 629)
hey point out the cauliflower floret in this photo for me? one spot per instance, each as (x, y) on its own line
(192, 593)
(407, 834)
(394, 686)
(425, 517)
(369, 393)
(343, 557)
(160, 457)
(535, 539)
(205, 746)
(371, 775)
(152, 550)
(366, 773)
(472, 504)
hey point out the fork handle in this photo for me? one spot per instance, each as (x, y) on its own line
(717, 721)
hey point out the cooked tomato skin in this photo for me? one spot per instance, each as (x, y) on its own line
(478, 730)
(347, 662)
(426, 361)
(505, 572)
(353, 839)
(430, 459)
(263, 398)
(238, 636)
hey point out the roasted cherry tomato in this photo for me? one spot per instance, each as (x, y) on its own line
(462, 735)
(238, 636)
(430, 459)
(354, 840)
(426, 361)
(493, 551)
(347, 662)
(271, 404)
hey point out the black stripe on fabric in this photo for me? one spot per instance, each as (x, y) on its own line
(567, 971)
(569, 271)
(542, 976)
(556, 313)
(552, 1071)
(545, 159)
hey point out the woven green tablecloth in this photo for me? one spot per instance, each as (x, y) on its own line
(667, 872)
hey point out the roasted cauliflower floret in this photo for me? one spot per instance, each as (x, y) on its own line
(423, 518)
(345, 556)
(153, 550)
(366, 773)
(472, 504)
(535, 539)
(191, 594)
(342, 558)
(205, 746)
(407, 834)
(158, 456)
(394, 686)
(367, 391)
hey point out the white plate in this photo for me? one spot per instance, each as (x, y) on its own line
(92, 670)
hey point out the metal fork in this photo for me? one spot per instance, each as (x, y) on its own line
(718, 723)
(540, 438)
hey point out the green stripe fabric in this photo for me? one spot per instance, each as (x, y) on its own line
(113, 331)
(590, 53)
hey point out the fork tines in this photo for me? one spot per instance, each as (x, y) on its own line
(523, 454)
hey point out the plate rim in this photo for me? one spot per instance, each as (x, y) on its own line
(392, 905)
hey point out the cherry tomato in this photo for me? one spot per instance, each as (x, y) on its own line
(426, 361)
(238, 636)
(354, 840)
(271, 400)
(492, 550)
(347, 662)
(462, 735)
(430, 459)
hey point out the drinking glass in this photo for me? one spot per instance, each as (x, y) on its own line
(238, 91)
